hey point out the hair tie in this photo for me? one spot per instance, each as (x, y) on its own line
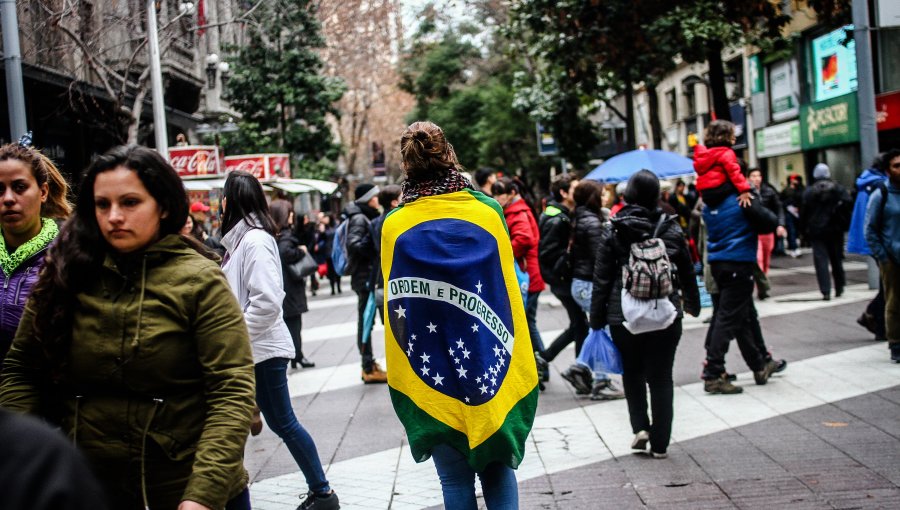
(25, 140)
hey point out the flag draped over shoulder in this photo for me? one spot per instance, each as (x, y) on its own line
(460, 367)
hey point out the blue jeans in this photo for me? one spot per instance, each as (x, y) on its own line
(531, 305)
(498, 482)
(274, 401)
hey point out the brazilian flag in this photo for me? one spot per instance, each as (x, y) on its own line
(460, 367)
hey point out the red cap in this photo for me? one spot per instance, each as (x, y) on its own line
(199, 207)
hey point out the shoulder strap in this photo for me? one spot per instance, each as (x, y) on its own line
(659, 224)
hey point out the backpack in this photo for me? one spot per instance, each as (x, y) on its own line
(648, 273)
(340, 258)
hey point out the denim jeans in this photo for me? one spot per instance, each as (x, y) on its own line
(581, 293)
(274, 401)
(498, 482)
(531, 305)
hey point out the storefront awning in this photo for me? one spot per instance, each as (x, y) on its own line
(203, 184)
(323, 187)
(289, 186)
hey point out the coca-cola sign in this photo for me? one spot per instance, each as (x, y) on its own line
(195, 160)
(262, 166)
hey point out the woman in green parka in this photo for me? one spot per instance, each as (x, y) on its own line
(133, 343)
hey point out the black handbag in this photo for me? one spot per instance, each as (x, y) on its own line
(761, 219)
(303, 267)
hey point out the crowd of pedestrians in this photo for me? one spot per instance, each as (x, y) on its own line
(163, 423)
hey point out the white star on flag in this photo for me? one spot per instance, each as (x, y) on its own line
(497, 351)
(493, 381)
(413, 337)
(462, 372)
(486, 376)
(401, 312)
(502, 362)
(425, 358)
(478, 380)
(492, 392)
(409, 352)
(431, 327)
(456, 360)
(410, 345)
(478, 286)
(460, 343)
(467, 400)
(438, 379)
(483, 389)
(425, 370)
(475, 328)
(466, 353)
(451, 351)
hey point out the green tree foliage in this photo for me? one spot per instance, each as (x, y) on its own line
(277, 87)
(468, 91)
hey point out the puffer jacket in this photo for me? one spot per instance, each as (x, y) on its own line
(525, 237)
(253, 269)
(159, 353)
(634, 223)
(294, 290)
(866, 184)
(555, 228)
(717, 165)
(360, 244)
(13, 295)
(586, 245)
(771, 201)
(823, 204)
(729, 235)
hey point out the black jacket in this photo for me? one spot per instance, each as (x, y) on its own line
(770, 200)
(634, 223)
(588, 232)
(294, 290)
(360, 244)
(826, 209)
(555, 227)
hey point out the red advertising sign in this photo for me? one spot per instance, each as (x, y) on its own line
(887, 111)
(262, 166)
(195, 160)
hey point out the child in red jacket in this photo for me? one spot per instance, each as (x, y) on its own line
(716, 164)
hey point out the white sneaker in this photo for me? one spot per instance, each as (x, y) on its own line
(640, 440)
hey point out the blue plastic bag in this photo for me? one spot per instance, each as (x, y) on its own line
(599, 353)
(523, 280)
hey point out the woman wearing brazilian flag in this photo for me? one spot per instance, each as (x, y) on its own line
(463, 380)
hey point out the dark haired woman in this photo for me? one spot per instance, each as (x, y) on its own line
(150, 378)
(253, 268)
(33, 195)
(525, 236)
(585, 245)
(291, 251)
(434, 182)
(647, 358)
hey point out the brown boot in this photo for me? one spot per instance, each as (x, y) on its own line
(762, 376)
(721, 385)
(374, 376)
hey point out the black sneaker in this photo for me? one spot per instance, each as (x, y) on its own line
(543, 367)
(320, 502)
(762, 376)
(782, 364)
(575, 375)
(895, 352)
(867, 320)
(606, 390)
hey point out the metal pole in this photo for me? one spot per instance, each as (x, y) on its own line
(12, 56)
(564, 169)
(159, 106)
(865, 93)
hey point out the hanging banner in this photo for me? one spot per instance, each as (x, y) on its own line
(196, 160)
(262, 166)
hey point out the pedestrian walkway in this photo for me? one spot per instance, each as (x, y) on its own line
(594, 433)
(821, 435)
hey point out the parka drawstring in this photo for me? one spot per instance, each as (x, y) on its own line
(156, 404)
(75, 426)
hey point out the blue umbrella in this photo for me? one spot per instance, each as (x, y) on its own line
(620, 167)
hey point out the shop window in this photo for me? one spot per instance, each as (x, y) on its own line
(889, 48)
(690, 100)
(672, 101)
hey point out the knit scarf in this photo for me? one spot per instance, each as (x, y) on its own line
(451, 182)
(9, 262)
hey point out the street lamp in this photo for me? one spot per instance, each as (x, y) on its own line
(212, 61)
